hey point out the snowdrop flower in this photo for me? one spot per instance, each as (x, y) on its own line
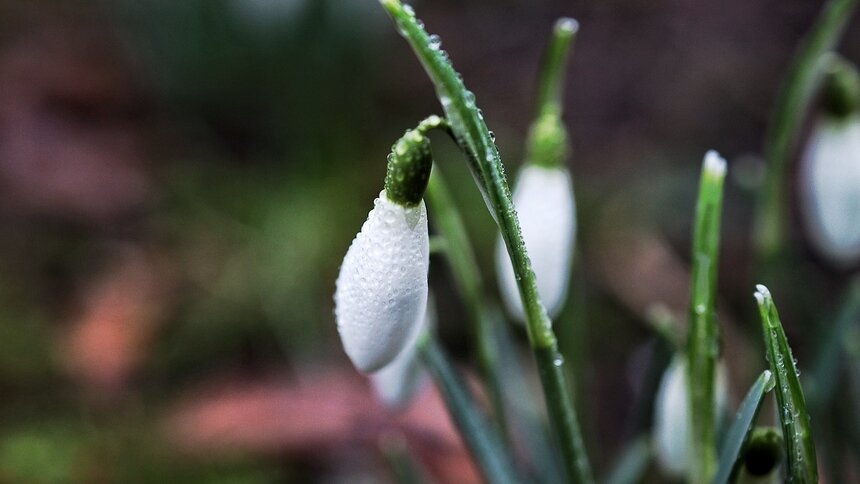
(830, 190)
(830, 171)
(672, 429)
(381, 293)
(399, 381)
(543, 197)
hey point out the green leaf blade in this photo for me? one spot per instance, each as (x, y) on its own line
(703, 338)
(792, 410)
(484, 443)
(740, 430)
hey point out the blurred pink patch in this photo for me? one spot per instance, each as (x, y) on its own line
(328, 411)
(119, 315)
(69, 133)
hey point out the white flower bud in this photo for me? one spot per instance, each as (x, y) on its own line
(399, 381)
(830, 188)
(543, 197)
(381, 293)
(672, 427)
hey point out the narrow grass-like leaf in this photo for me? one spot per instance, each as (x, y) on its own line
(632, 463)
(404, 466)
(740, 430)
(795, 96)
(467, 278)
(831, 353)
(703, 338)
(475, 139)
(793, 415)
(481, 438)
(527, 422)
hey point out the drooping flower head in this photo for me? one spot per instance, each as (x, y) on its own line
(381, 293)
(830, 170)
(544, 200)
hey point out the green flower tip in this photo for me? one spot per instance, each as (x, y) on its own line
(409, 166)
(841, 91)
(549, 145)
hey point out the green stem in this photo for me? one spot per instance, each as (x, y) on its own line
(703, 339)
(484, 443)
(548, 143)
(550, 83)
(795, 96)
(467, 277)
(475, 139)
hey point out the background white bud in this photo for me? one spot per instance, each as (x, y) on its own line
(381, 293)
(830, 188)
(672, 432)
(545, 205)
(399, 381)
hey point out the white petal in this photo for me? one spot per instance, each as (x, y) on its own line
(545, 205)
(672, 439)
(382, 286)
(400, 380)
(830, 189)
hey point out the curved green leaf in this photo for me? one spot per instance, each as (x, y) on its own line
(481, 438)
(740, 430)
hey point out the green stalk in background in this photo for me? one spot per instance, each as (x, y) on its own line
(485, 444)
(550, 86)
(467, 277)
(548, 144)
(475, 139)
(791, 405)
(795, 96)
(703, 338)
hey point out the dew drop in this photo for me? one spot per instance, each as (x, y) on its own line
(435, 41)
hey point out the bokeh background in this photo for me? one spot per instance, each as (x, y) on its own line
(179, 181)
